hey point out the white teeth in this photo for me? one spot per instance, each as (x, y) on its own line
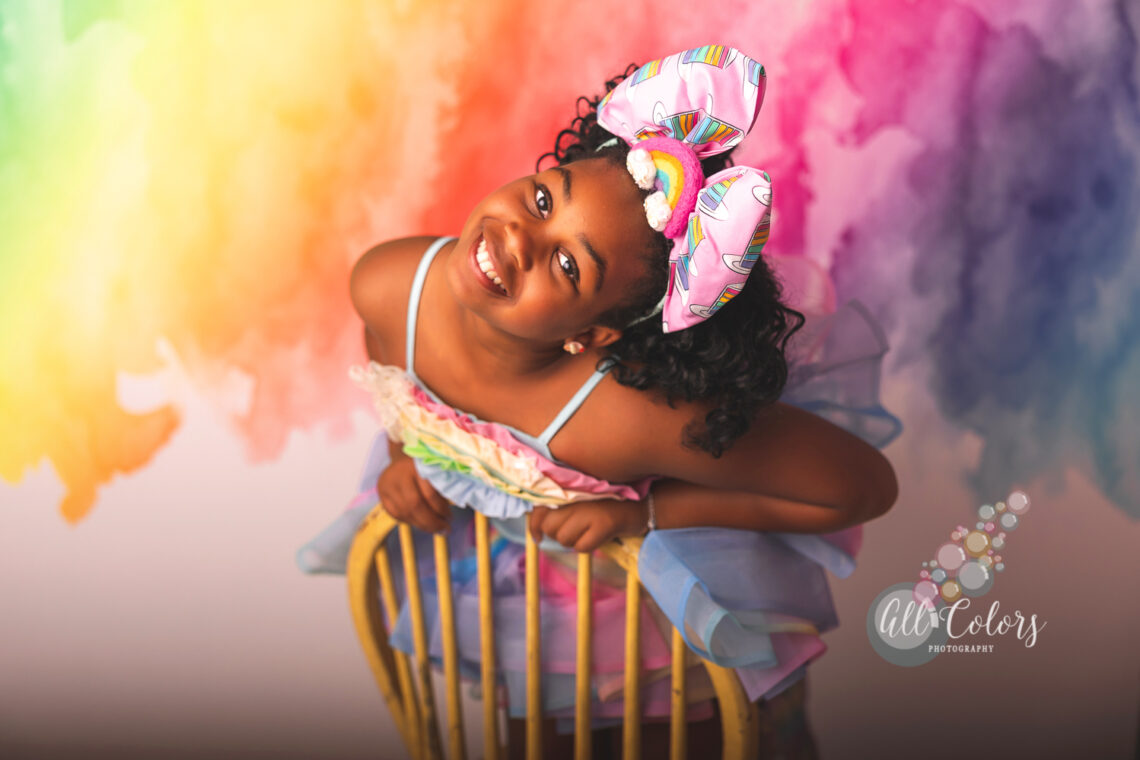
(484, 260)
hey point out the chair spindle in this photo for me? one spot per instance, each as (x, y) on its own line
(631, 721)
(487, 639)
(450, 649)
(583, 664)
(678, 727)
(410, 725)
(429, 735)
(533, 654)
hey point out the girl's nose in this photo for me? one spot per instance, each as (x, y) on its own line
(520, 243)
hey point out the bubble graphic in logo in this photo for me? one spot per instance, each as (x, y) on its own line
(975, 578)
(925, 593)
(903, 622)
(950, 557)
(1018, 503)
(977, 543)
(901, 631)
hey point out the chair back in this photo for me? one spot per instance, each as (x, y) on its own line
(406, 684)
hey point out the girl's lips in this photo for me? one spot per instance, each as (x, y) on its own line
(483, 279)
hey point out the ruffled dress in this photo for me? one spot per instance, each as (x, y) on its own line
(767, 629)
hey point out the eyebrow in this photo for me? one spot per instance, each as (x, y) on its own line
(565, 181)
(599, 262)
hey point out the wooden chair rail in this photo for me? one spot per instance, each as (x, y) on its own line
(406, 686)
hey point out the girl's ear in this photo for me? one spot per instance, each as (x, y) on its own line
(598, 336)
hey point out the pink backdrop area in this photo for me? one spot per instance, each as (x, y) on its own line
(184, 188)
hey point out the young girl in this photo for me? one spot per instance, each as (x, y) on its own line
(613, 317)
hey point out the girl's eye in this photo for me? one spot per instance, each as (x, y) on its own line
(542, 200)
(569, 266)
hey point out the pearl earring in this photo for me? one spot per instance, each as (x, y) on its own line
(572, 347)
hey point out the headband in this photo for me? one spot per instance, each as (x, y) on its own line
(673, 112)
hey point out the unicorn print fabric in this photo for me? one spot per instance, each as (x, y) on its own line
(678, 110)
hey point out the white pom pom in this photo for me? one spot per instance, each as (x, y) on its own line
(641, 168)
(657, 211)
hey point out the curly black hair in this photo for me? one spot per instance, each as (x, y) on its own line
(735, 359)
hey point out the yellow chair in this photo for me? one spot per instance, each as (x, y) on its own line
(407, 688)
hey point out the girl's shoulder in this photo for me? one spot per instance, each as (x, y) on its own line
(619, 431)
(380, 286)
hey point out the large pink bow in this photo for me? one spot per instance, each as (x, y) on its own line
(704, 100)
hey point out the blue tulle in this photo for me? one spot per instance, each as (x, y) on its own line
(695, 576)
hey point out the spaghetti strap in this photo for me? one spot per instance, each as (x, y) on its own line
(414, 303)
(572, 405)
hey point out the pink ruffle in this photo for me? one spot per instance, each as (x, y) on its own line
(567, 478)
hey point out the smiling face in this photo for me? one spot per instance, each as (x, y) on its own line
(544, 256)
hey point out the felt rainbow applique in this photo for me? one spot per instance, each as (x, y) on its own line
(672, 169)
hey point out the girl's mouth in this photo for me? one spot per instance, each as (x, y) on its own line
(485, 267)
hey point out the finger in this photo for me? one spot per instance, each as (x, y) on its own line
(570, 532)
(435, 523)
(535, 521)
(421, 517)
(386, 498)
(397, 507)
(422, 512)
(416, 513)
(554, 519)
(404, 502)
(397, 501)
(434, 499)
(389, 502)
(590, 540)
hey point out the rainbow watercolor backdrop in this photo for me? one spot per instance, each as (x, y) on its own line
(190, 183)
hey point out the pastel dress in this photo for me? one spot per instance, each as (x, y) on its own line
(767, 628)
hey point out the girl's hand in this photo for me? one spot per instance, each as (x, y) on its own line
(587, 525)
(409, 498)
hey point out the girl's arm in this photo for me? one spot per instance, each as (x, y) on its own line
(587, 525)
(401, 491)
(793, 471)
(379, 288)
(683, 505)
